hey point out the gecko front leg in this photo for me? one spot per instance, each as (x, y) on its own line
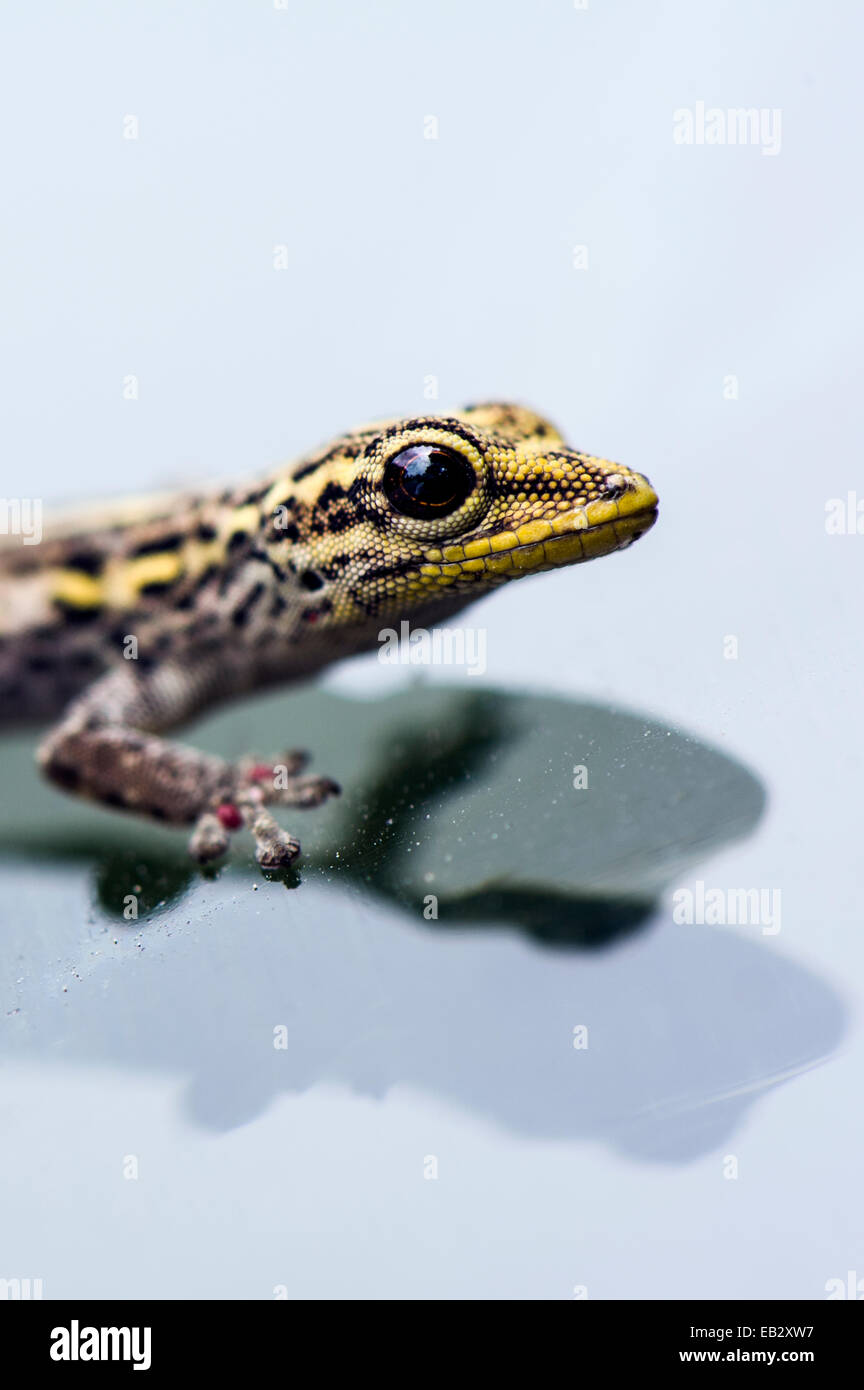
(108, 748)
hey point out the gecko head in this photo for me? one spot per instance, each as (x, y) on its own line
(413, 513)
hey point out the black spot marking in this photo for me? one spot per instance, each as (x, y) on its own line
(308, 469)
(87, 561)
(205, 578)
(386, 571)
(71, 614)
(336, 566)
(206, 532)
(333, 492)
(252, 498)
(267, 559)
(347, 449)
(156, 588)
(173, 541)
(339, 521)
(243, 611)
(311, 580)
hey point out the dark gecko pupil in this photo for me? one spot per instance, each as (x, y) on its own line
(427, 481)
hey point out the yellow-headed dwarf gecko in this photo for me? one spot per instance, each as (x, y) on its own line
(126, 622)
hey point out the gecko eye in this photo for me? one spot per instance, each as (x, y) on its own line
(428, 481)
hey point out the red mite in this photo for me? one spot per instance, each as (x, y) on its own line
(229, 816)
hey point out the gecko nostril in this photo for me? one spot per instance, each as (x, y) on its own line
(615, 486)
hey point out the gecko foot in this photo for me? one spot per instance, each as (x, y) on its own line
(255, 786)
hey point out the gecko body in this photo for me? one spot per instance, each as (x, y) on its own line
(124, 624)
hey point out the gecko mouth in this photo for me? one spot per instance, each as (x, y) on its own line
(580, 542)
(584, 532)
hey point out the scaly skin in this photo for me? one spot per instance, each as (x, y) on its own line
(226, 593)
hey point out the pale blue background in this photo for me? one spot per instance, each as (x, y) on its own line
(407, 257)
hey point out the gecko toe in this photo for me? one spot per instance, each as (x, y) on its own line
(209, 839)
(277, 853)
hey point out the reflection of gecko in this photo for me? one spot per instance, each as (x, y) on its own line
(132, 620)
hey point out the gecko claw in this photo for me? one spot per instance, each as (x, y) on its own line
(274, 848)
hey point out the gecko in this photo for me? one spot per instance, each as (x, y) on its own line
(124, 623)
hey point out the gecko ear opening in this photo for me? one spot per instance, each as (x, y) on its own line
(312, 580)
